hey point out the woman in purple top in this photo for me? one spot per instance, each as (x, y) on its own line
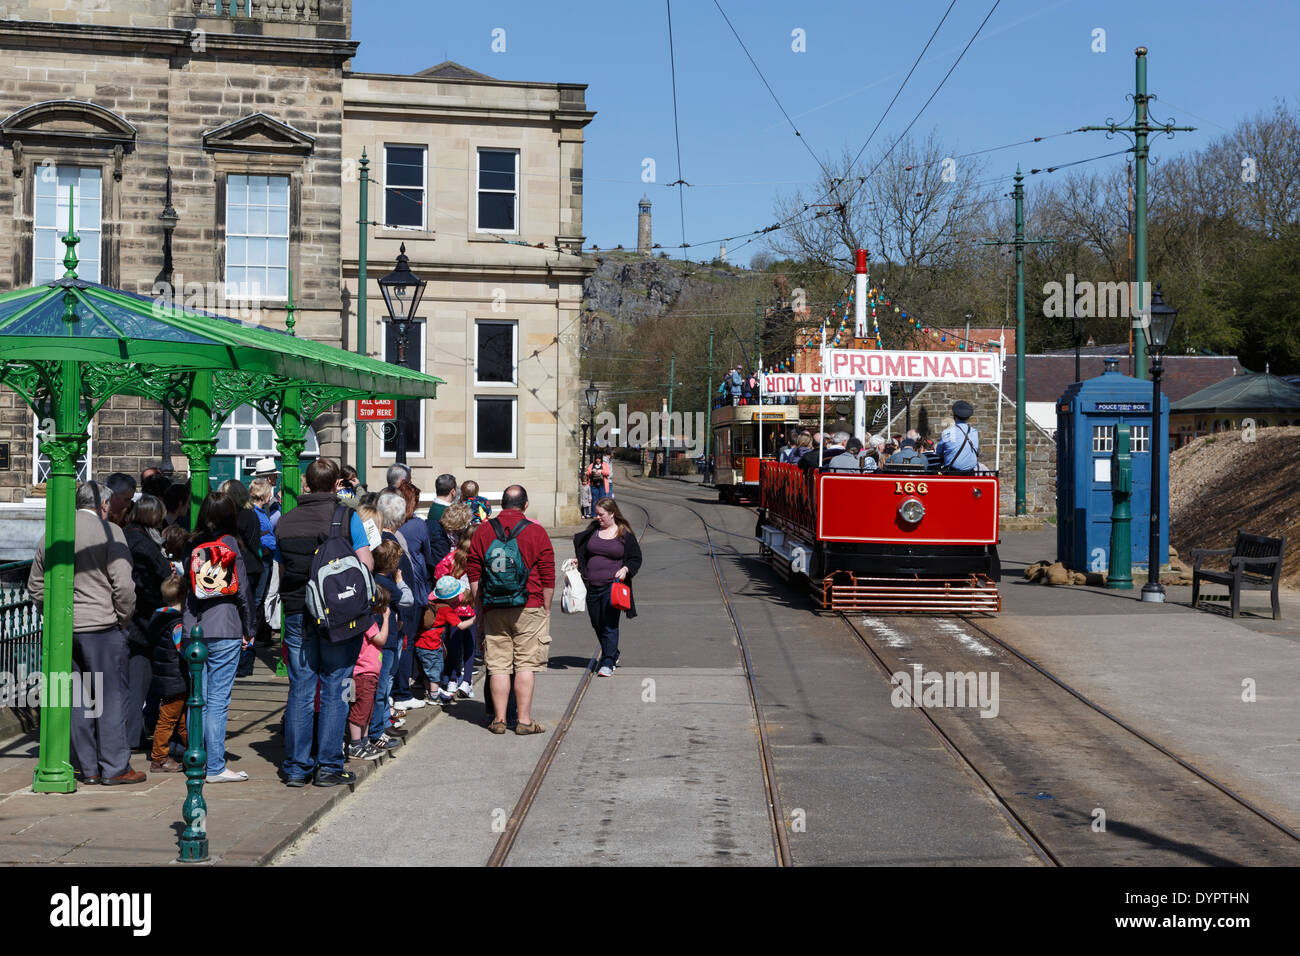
(607, 552)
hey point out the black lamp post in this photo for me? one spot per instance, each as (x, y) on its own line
(1078, 337)
(169, 219)
(592, 395)
(907, 400)
(1160, 327)
(402, 290)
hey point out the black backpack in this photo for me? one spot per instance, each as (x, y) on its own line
(340, 589)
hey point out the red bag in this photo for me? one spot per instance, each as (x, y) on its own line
(620, 596)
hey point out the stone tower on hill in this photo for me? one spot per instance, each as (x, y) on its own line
(643, 227)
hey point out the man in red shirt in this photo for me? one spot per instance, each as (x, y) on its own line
(517, 636)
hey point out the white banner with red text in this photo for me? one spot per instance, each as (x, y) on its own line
(777, 384)
(879, 365)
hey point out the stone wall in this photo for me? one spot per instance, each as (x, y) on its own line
(933, 402)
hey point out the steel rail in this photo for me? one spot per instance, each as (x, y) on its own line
(780, 840)
(505, 843)
(1018, 823)
(1196, 771)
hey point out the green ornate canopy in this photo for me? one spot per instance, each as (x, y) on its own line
(69, 345)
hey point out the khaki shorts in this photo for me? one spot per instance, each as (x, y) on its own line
(516, 639)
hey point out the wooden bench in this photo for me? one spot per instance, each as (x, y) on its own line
(1254, 564)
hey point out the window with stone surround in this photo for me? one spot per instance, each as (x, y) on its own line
(495, 352)
(257, 237)
(50, 222)
(247, 433)
(498, 190)
(405, 187)
(41, 461)
(496, 422)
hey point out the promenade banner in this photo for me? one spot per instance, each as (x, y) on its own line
(878, 365)
(792, 384)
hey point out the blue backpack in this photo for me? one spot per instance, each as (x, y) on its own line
(505, 575)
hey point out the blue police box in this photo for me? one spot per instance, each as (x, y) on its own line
(1086, 416)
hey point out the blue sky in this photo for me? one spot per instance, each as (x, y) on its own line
(1031, 72)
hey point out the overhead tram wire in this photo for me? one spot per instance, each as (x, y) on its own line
(771, 91)
(681, 183)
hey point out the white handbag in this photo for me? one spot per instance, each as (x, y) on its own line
(574, 598)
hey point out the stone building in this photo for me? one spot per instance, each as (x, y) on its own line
(480, 181)
(243, 103)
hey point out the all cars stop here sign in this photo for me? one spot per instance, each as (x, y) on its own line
(376, 409)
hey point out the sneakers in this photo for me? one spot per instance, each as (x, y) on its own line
(445, 696)
(334, 779)
(385, 743)
(399, 722)
(605, 672)
(405, 705)
(465, 691)
(363, 750)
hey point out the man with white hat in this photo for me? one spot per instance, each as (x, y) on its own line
(266, 468)
(959, 446)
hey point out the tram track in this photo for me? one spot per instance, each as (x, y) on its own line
(1192, 816)
(533, 786)
(780, 839)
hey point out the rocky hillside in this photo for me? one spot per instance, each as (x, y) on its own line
(1220, 483)
(627, 289)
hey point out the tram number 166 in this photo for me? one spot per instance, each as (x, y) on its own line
(911, 488)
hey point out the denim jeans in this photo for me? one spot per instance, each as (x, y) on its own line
(433, 661)
(387, 667)
(218, 682)
(404, 671)
(312, 659)
(604, 621)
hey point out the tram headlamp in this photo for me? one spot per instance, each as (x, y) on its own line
(911, 511)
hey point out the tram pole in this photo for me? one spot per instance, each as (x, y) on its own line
(708, 409)
(1141, 129)
(361, 302)
(860, 332)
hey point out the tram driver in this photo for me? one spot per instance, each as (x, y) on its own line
(959, 446)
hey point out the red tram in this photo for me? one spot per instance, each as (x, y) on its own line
(892, 540)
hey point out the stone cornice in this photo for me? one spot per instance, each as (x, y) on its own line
(404, 109)
(164, 42)
(576, 269)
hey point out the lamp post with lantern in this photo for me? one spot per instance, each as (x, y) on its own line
(1159, 321)
(402, 290)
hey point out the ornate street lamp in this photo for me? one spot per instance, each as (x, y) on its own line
(402, 290)
(169, 219)
(592, 394)
(1159, 328)
(907, 399)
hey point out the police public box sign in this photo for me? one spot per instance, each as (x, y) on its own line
(986, 367)
(790, 383)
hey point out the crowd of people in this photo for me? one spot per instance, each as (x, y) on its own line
(957, 449)
(438, 595)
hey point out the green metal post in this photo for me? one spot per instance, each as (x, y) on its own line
(1120, 575)
(672, 374)
(362, 315)
(53, 772)
(1021, 486)
(291, 439)
(708, 406)
(1140, 153)
(1140, 129)
(194, 840)
(198, 440)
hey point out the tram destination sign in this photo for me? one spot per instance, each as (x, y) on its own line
(873, 365)
(815, 386)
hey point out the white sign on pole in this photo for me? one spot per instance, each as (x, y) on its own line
(984, 367)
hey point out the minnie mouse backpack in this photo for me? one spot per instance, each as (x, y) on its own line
(213, 572)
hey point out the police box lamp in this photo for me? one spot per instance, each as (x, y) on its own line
(1160, 324)
(592, 394)
(402, 291)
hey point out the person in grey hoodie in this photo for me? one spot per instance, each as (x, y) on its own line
(103, 601)
(220, 601)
